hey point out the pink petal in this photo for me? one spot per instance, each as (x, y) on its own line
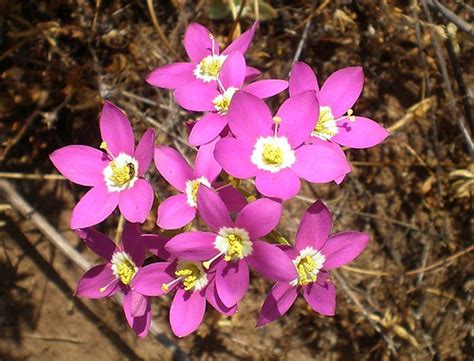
(144, 151)
(320, 163)
(343, 248)
(314, 227)
(99, 243)
(259, 217)
(205, 164)
(207, 128)
(80, 164)
(116, 130)
(155, 243)
(212, 209)
(277, 303)
(187, 312)
(135, 203)
(132, 243)
(140, 325)
(342, 89)
(138, 304)
(96, 278)
(233, 199)
(149, 279)
(173, 167)
(302, 78)
(86, 213)
(193, 246)
(234, 156)
(196, 97)
(172, 76)
(359, 134)
(251, 73)
(249, 117)
(213, 298)
(283, 184)
(232, 281)
(232, 73)
(242, 43)
(198, 43)
(175, 212)
(271, 262)
(322, 299)
(298, 114)
(266, 88)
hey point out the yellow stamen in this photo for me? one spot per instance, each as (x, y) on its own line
(272, 155)
(103, 145)
(189, 274)
(276, 119)
(236, 247)
(324, 127)
(121, 175)
(350, 115)
(306, 267)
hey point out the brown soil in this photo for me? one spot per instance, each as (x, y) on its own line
(59, 60)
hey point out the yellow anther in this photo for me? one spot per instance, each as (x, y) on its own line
(350, 115)
(210, 66)
(207, 264)
(121, 175)
(272, 155)
(126, 270)
(189, 274)
(103, 145)
(251, 198)
(306, 266)
(102, 289)
(236, 247)
(165, 287)
(326, 127)
(277, 119)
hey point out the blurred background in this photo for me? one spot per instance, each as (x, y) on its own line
(409, 295)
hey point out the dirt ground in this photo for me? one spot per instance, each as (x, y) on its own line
(408, 297)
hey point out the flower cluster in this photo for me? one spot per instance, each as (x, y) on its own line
(237, 138)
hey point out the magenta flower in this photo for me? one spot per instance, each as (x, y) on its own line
(206, 59)
(179, 210)
(314, 254)
(231, 247)
(194, 286)
(116, 176)
(273, 150)
(336, 122)
(216, 100)
(118, 274)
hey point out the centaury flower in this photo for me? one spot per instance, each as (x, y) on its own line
(217, 100)
(118, 274)
(178, 210)
(231, 247)
(273, 149)
(336, 121)
(206, 59)
(116, 175)
(314, 254)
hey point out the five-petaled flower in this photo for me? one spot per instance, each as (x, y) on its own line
(116, 175)
(336, 121)
(118, 273)
(206, 59)
(314, 254)
(231, 246)
(273, 149)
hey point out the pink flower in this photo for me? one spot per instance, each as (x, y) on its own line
(231, 247)
(193, 284)
(116, 176)
(314, 254)
(179, 210)
(206, 59)
(203, 97)
(336, 122)
(118, 274)
(273, 150)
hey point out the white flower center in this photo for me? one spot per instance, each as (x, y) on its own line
(222, 101)
(326, 126)
(121, 173)
(234, 243)
(273, 154)
(123, 267)
(192, 275)
(208, 68)
(192, 187)
(308, 264)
